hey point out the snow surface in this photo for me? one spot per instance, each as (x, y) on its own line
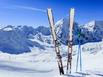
(42, 63)
(90, 26)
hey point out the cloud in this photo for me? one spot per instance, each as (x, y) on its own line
(31, 8)
(23, 7)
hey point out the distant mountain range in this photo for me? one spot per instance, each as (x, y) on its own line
(16, 40)
(90, 32)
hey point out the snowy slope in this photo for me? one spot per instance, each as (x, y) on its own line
(39, 63)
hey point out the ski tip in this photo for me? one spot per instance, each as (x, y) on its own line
(72, 10)
(49, 9)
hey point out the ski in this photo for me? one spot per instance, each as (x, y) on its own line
(55, 41)
(70, 40)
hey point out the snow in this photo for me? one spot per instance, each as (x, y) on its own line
(8, 29)
(17, 40)
(90, 32)
(90, 25)
(42, 63)
(60, 22)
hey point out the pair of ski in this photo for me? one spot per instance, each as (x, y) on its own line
(56, 44)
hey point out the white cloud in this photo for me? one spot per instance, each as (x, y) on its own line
(31, 8)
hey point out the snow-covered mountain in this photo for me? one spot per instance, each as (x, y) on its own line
(94, 30)
(90, 32)
(20, 39)
(17, 40)
(62, 28)
(41, 61)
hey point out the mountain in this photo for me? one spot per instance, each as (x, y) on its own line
(93, 31)
(20, 39)
(16, 40)
(62, 28)
(90, 32)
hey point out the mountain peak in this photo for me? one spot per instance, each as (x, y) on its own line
(90, 26)
(8, 28)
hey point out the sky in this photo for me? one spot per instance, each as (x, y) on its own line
(33, 12)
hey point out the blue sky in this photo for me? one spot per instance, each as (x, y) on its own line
(32, 12)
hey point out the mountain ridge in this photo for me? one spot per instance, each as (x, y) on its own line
(17, 40)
